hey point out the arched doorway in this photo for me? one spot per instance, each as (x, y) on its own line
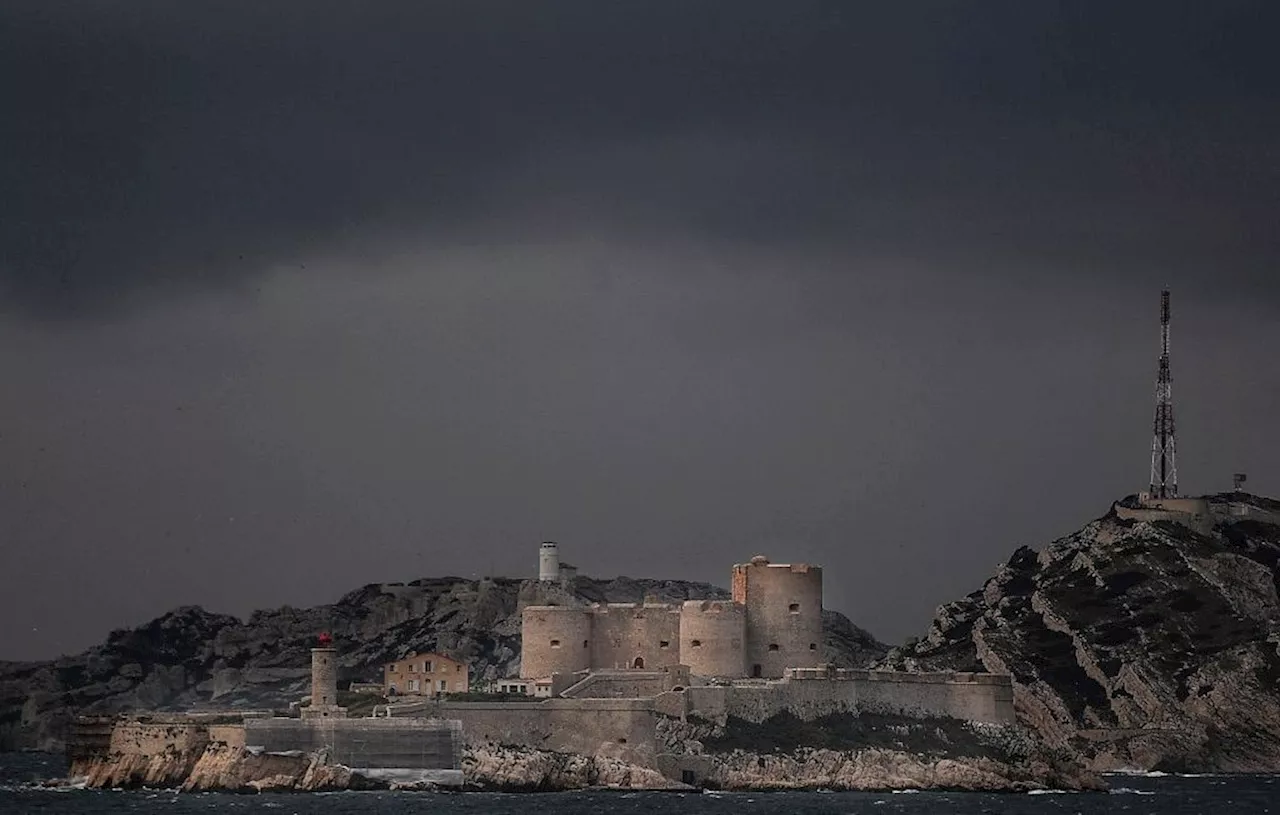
(639, 663)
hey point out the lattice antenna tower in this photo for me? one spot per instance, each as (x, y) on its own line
(1164, 466)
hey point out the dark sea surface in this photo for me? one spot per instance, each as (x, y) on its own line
(1130, 795)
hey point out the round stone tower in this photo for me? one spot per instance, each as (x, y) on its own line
(554, 639)
(324, 677)
(784, 615)
(713, 637)
(549, 562)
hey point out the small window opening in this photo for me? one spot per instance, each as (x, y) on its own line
(756, 672)
(555, 643)
(794, 608)
(639, 663)
(696, 643)
(813, 646)
(664, 644)
(773, 646)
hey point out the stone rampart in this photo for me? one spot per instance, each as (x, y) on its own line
(632, 635)
(973, 697)
(155, 738)
(713, 637)
(231, 735)
(364, 744)
(620, 728)
(554, 639)
(783, 605)
(619, 685)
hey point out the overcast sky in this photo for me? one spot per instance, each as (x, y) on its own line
(297, 296)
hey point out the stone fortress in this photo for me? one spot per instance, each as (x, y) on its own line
(608, 680)
(773, 622)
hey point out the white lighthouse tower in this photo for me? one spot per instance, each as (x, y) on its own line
(549, 562)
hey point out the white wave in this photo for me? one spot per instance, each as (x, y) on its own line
(1130, 791)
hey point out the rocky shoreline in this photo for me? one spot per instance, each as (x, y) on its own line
(223, 768)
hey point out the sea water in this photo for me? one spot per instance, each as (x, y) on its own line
(21, 792)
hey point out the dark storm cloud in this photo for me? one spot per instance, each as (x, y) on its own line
(303, 295)
(154, 145)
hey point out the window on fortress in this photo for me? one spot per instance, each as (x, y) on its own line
(773, 646)
(663, 644)
(555, 643)
(794, 608)
(813, 646)
(696, 643)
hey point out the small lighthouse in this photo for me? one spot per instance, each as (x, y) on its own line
(324, 681)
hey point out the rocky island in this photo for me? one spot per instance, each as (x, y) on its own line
(1147, 640)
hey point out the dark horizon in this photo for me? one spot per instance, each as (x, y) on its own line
(296, 298)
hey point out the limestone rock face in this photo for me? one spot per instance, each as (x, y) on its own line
(191, 659)
(862, 750)
(1143, 645)
(878, 769)
(219, 767)
(518, 769)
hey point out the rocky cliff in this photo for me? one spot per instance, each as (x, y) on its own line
(1139, 644)
(884, 755)
(869, 751)
(191, 659)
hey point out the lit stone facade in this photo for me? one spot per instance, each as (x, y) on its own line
(555, 639)
(783, 605)
(774, 622)
(425, 674)
(713, 635)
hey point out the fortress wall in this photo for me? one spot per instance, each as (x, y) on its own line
(973, 697)
(1191, 506)
(554, 639)
(402, 743)
(985, 698)
(154, 738)
(621, 728)
(89, 737)
(625, 632)
(621, 685)
(1200, 522)
(231, 735)
(784, 615)
(713, 638)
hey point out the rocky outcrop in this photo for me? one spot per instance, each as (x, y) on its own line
(1139, 644)
(191, 659)
(879, 770)
(219, 767)
(868, 751)
(519, 769)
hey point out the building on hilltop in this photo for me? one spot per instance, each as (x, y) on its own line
(773, 622)
(550, 568)
(425, 674)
